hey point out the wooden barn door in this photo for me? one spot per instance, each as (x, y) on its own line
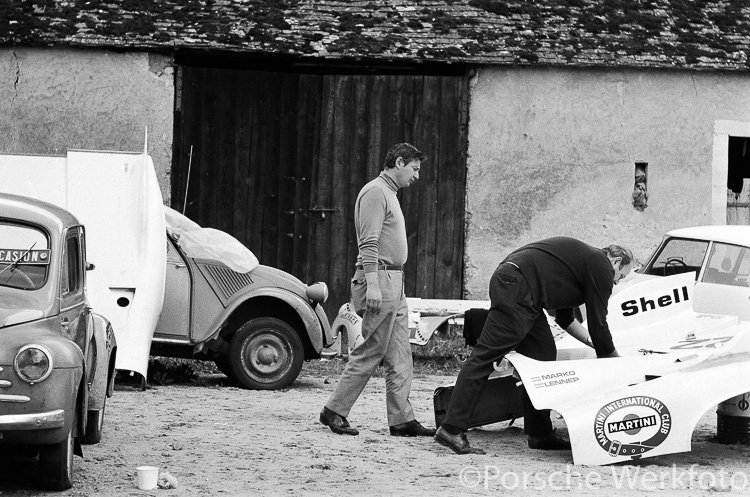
(278, 159)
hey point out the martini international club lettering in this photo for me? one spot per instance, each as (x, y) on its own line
(632, 426)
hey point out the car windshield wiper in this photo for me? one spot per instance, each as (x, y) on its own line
(15, 263)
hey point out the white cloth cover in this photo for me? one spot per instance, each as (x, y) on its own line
(209, 243)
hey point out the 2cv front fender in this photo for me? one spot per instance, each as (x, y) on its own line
(314, 320)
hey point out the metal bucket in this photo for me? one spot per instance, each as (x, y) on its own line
(733, 420)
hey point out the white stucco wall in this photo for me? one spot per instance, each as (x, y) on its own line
(56, 99)
(552, 152)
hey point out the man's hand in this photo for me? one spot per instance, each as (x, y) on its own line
(374, 297)
(577, 331)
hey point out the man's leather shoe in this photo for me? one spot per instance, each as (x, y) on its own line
(411, 429)
(550, 441)
(457, 443)
(338, 424)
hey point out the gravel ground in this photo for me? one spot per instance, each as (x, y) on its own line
(212, 438)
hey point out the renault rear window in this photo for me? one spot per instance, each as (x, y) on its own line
(24, 256)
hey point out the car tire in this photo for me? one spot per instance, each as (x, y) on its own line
(56, 464)
(266, 354)
(224, 364)
(94, 426)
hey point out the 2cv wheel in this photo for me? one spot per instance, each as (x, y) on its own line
(266, 354)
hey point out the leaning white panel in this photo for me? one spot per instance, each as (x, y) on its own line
(116, 196)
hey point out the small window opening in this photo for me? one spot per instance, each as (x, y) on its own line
(640, 186)
(738, 180)
(738, 164)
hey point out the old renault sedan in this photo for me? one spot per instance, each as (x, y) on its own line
(56, 356)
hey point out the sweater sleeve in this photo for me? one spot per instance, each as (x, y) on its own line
(597, 290)
(371, 215)
(563, 317)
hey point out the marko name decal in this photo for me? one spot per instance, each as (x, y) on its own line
(550, 380)
(633, 307)
(631, 426)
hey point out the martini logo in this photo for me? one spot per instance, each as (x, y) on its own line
(631, 426)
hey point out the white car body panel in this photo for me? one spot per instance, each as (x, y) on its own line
(116, 196)
(676, 364)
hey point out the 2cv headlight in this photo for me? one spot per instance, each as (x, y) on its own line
(33, 363)
(318, 292)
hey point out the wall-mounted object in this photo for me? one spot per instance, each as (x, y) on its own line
(640, 187)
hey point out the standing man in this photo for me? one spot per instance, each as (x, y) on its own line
(554, 274)
(377, 294)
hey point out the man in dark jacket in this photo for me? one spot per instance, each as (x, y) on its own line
(554, 274)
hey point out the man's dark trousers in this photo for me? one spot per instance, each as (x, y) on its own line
(513, 323)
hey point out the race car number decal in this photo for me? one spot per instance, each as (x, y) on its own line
(700, 343)
(632, 426)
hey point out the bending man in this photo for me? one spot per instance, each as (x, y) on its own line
(555, 274)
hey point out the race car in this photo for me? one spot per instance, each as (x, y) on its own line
(682, 326)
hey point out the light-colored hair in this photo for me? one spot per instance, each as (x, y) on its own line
(614, 251)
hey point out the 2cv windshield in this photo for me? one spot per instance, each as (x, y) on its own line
(24, 256)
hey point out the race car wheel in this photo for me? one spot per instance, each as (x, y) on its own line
(94, 426)
(266, 354)
(56, 464)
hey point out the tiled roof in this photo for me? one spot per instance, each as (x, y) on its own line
(698, 34)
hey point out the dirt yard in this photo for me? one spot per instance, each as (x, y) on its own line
(215, 439)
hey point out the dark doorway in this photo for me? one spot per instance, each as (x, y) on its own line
(738, 181)
(278, 158)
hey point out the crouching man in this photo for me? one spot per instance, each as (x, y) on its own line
(557, 274)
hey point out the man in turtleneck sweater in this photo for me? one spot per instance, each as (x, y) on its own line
(377, 294)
